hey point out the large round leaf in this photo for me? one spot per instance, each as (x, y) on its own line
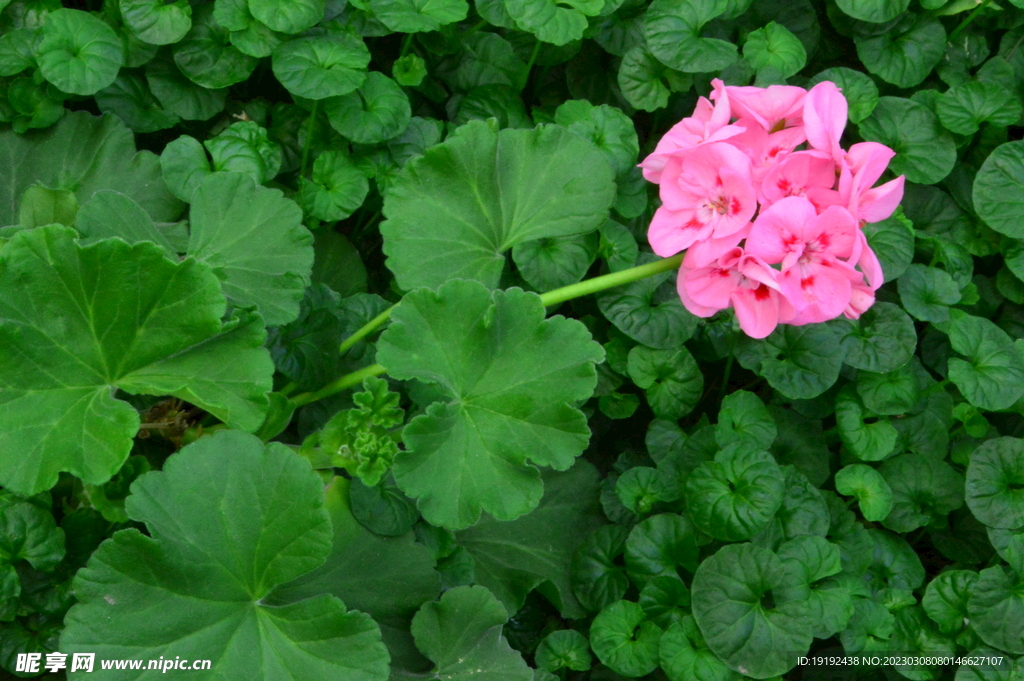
(875, 11)
(673, 32)
(905, 54)
(228, 521)
(742, 619)
(999, 189)
(733, 497)
(992, 377)
(457, 209)
(414, 16)
(376, 112)
(995, 483)
(624, 641)
(157, 22)
(288, 17)
(322, 66)
(551, 21)
(77, 52)
(207, 56)
(506, 379)
(800, 362)
(83, 154)
(996, 609)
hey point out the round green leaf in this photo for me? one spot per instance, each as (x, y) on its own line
(889, 394)
(642, 79)
(800, 362)
(87, 336)
(892, 240)
(905, 54)
(996, 609)
(288, 17)
(452, 213)
(804, 510)
(992, 378)
(461, 634)
(179, 95)
(623, 641)
(207, 57)
(336, 189)
(553, 22)
(924, 490)
(674, 35)
(29, 533)
(564, 649)
(927, 293)
(743, 621)
(77, 52)
(925, 152)
(874, 11)
(774, 50)
(744, 418)
(945, 599)
(203, 533)
(999, 189)
(649, 311)
(866, 441)
(733, 497)
(665, 600)
(860, 91)
(376, 112)
(670, 379)
(129, 99)
(414, 16)
(322, 66)
(685, 656)
(597, 581)
(157, 22)
(995, 483)
(547, 264)
(641, 487)
(894, 565)
(660, 545)
(17, 51)
(810, 561)
(254, 239)
(606, 126)
(870, 489)
(185, 166)
(962, 109)
(476, 448)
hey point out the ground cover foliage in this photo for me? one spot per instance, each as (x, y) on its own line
(332, 347)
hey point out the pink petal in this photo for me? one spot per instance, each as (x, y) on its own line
(694, 308)
(868, 262)
(825, 112)
(778, 229)
(861, 299)
(774, 107)
(836, 230)
(868, 160)
(757, 310)
(879, 203)
(673, 231)
(819, 291)
(703, 253)
(709, 287)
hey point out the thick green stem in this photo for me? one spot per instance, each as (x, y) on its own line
(967, 21)
(346, 381)
(588, 286)
(366, 330)
(309, 137)
(406, 44)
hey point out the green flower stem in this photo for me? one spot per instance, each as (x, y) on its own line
(967, 22)
(559, 295)
(406, 44)
(366, 330)
(346, 381)
(309, 137)
(588, 286)
(529, 64)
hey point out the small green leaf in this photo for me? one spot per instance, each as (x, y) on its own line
(206, 56)
(945, 599)
(925, 152)
(641, 487)
(995, 483)
(733, 497)
(564, 649)
(998, 189)
(77, 52)
(892, 240)
(409, 70)
(927, 293)
(868, 442)
(321, 66)
(415, 16)
(451, 213)
(28, 533)
(645, 82)
(288, 17)
(684, 655)
(869, 487)
(336, 190)
(743, 619)
(801, 362)
(674, 35)
(924, 490)
(671, 380)
(129, 98)
(547, 264)
(623, 641)
(491, 355)
(996, 608)
(180, 96)
(906, 53)
(659, 546)
(744, 418)
(132, 575)
(992, 378)
(962, 109)
(157, 22)
(376, 112)
(607, 127)
(774, 50)
(649, 311)
(462, 635)
(874, 11)
(553, 22)
(809, 562)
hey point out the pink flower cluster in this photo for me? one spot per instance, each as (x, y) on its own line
(774, 232)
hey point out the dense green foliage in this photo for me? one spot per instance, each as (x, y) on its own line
(278, 388)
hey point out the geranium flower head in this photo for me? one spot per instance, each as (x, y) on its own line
(775, 107)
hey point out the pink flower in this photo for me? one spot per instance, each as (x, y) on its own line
(811, 174)
(775, 107)
(825, 112)
(809, 247)
(864, 163)
(709, 123)
(743, 281)
(861, 299)
(765, 149)
(705, 192)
